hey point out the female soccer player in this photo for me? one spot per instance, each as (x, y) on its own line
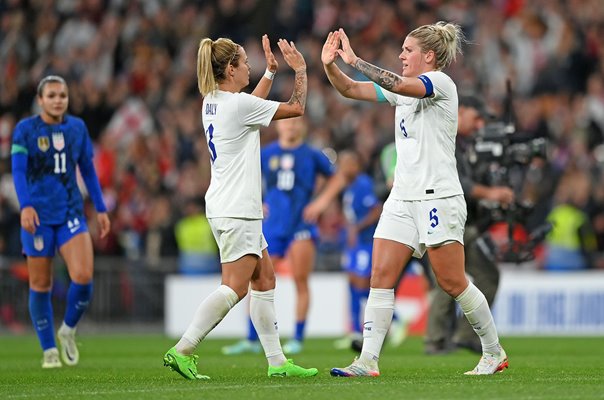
(231, 120)
(426, 209)
(290, 170)
(46, 150)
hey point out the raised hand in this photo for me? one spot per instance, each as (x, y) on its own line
(271, 61)
(330, 48)
(346, 51)
(292, 56)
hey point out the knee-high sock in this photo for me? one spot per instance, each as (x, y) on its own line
(299, 331)
(78, 299)
(378, 316)
(474, 305)
(252, 335)
(209, 313)
(262, 312)
(356, 298)
(40, 310)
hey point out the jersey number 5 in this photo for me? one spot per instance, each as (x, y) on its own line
(60, 163)
(211, 147)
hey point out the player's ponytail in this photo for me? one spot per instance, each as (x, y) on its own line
(213, 58)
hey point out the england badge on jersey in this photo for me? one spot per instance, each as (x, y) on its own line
(43, 143)
(58, 141)
(39, 243)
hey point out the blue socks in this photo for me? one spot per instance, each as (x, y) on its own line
(252, 335)
(78, 298)
(356, 297)
(40, 310)
(300, 330)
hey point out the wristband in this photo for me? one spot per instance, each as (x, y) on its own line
(269, 75)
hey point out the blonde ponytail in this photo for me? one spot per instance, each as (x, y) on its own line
(213, 57)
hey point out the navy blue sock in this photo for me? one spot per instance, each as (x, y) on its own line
(252, 335)
(78, 299)
(300, 325)
(40, 310)
(356, 297)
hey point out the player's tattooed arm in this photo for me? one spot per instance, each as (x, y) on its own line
(386, 79)
(300, 89)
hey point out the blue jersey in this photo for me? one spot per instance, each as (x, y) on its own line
(359, 198)
(289, 177)
(53, 153)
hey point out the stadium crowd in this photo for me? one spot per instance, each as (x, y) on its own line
(130, 66)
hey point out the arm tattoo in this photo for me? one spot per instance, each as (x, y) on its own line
(382, 77)
(299, 94)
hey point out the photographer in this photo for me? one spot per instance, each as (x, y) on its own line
(442, 318)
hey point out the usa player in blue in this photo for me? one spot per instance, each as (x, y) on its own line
(46, 151)
(290, 169)
(362, 211)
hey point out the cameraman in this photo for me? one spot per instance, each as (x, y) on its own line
(442, 318)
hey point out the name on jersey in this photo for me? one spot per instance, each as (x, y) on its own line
(211, 108)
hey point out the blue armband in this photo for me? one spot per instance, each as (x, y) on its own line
(92, 184)
(19, 161)
(379, 94)
(428, 84)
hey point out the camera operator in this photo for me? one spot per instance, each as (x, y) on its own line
(442, 319)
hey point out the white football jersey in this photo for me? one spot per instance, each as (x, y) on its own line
(424, 131)
(232, 123)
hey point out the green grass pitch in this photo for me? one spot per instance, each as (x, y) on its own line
(131, 367)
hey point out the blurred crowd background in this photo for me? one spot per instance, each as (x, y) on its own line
(131, 70)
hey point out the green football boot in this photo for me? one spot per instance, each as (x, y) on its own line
(289, 369)
(183, 364)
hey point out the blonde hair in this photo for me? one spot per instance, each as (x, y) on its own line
(213, 57)
(443, 38)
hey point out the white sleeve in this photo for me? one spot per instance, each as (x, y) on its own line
(253, 110)
(390, 97)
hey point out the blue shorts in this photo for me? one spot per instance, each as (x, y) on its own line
(278, 245)
(357, 260)
(48, 238)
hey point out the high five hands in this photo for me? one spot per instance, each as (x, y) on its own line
(331, 48)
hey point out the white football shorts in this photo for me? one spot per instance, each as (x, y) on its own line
(237, 237)
(423, 223)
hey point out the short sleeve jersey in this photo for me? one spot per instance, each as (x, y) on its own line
(358, 200)
(232, 124)
(289, 182)
(53, 153)
(425, 131)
